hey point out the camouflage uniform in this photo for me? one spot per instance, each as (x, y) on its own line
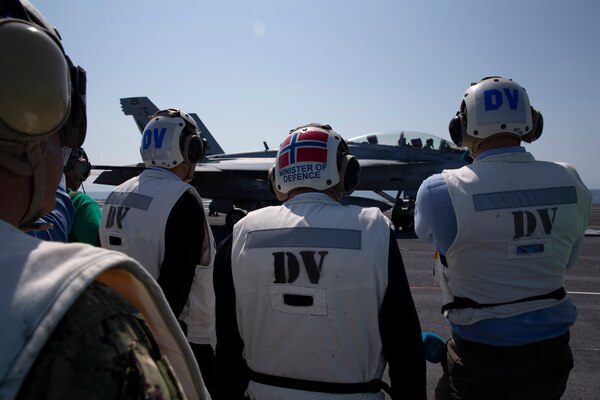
(101, 349)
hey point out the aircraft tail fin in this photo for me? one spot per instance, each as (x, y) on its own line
(213, 145)
(141, 109)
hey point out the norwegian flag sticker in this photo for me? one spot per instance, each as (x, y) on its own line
(310, 146)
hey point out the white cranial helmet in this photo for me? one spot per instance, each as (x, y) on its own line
(493, 106)
(171, 138)
(313, 156)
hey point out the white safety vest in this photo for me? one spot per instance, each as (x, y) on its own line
(310, 277)
(517, 222)
(42, 279)
(134, 219)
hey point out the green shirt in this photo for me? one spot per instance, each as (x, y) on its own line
(87, 219)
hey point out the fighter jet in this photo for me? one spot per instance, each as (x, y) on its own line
(238, 182)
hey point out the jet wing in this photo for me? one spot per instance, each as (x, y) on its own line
(231, 179)
(260, 165)
(115, 175)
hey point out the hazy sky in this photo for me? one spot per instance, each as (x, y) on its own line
(254, 69)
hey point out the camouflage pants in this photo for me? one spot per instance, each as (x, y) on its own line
(101, 349)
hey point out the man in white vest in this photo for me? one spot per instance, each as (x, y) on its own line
(76, 321)
(507, 228)
(312, 296)
(158, 218)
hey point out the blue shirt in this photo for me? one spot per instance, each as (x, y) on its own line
(61, 219)
(435, 220)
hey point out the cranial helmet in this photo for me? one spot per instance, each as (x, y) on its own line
(41, 93)
(493, 106)
(79, 162)
(171, 138)
(313, 156)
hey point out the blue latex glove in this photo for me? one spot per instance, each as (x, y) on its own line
(435, 347)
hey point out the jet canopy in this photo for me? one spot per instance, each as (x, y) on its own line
(412, 139)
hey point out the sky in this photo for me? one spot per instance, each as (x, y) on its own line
(254, 69)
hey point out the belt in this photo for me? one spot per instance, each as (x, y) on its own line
(373, 386)
(464, 302)
(535, 348)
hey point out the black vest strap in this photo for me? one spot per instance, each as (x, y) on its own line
(463, 302)
(373, 386)
(443, 260)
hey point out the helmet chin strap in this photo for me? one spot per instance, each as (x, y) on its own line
(27, 159)
(471, 144)
(499, 140)
(190, 174)
(36, 159)
(334, 194)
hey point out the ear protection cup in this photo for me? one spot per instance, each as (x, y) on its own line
(537, 128)
(538, 124)
(74, 130)
(348, 169)
(192, 149)
(271, 181)
(79, 162)
(457, 127)
(82, 170)
(349, 174)
(35, 81)
(73, 127)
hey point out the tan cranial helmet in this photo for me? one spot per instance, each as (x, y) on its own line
(41, 93)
